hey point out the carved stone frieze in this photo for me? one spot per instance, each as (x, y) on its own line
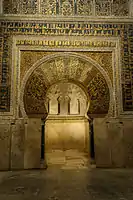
(67, 7)
(20, 7)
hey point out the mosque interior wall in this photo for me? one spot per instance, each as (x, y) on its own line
(67, 62)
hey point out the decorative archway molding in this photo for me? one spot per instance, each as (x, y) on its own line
(74, 55)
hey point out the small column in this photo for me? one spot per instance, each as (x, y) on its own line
(94, 8)
(39, 6)
(25, 138)
(1, 7)
(131, 8)
(12, 130)
(91, 134)
(43, 158)
(75, 7)
(57, 7)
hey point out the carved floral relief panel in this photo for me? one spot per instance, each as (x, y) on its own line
(104, 59)
(48, 7)
(103, 8)
(35, 91)
(20, 7)
(120, 7)
(67, 7)
(99, 95)
(85, 7)
(28, 58)
(29, 6)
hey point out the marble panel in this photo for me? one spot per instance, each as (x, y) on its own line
(4, 145)
(101, 143)
(67, 159)
(17, 144)
(55, 157)
(128, 141)
(131, 8)
(116, 141)
(64, 134)
(32, 154)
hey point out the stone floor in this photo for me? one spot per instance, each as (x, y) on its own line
(67, 184)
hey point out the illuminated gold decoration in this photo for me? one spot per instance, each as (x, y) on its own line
(110, 31)
(28, 58)
(72, 69)
(104, 59)
(67, 7)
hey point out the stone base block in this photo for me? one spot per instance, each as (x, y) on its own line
(68, 158)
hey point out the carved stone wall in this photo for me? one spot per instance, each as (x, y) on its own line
(101, 31)
(69, 68)
(122, 31)
(68, 7)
